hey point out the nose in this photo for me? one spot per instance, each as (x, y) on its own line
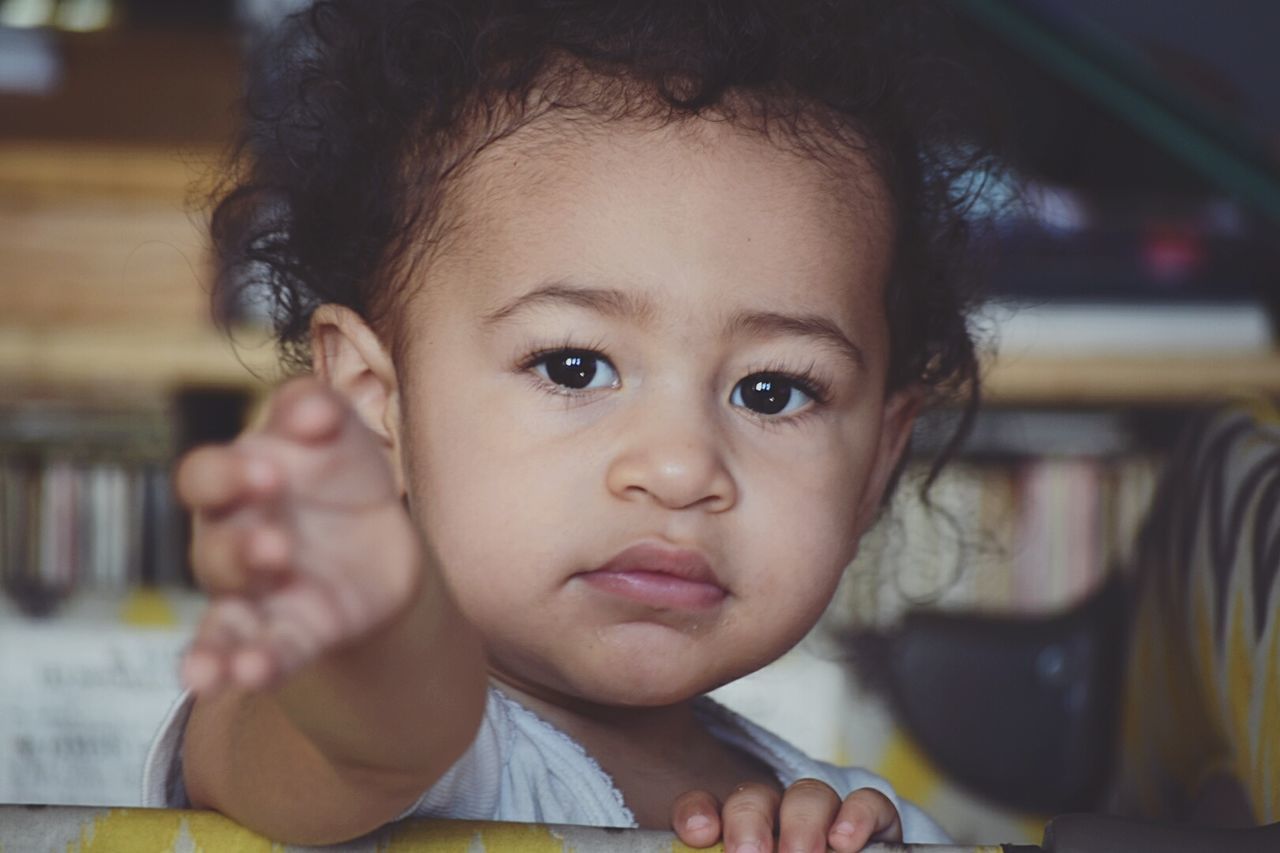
(675, 462)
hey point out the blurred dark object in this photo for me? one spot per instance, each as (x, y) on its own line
(152, 85)
(1090, 833)
(1104, 247)
(182, 13)
(1143, 176)
(1093, 111)
(1019, 709)
(204, 416)
(1178, 690)
(208, 415)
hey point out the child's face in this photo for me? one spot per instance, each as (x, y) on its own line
(572, 387)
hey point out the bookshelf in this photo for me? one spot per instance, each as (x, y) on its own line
(106, 279)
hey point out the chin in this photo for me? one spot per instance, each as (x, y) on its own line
(647, 686)
(640, 696)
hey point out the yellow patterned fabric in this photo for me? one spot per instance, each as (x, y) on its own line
(1203, 685)
(38, 829)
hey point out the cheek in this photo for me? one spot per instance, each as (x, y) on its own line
(490, 502)
(802, 510)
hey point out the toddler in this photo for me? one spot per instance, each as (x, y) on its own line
(618, 316)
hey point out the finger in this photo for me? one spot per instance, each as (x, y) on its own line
(303, 622)
(748, 818)
(866, 815)
(239, 628)
(202, 671)
(299, 624)
(805, 816)
(237, 556)
(306, 410)
(226, 625)
(253, 668)
(695, 817)
(215, 478)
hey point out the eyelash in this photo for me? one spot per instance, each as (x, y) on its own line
(806, 380)
(525, 365)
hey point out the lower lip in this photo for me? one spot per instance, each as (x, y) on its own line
(657, 589)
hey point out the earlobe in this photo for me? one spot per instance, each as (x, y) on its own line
(350, 357)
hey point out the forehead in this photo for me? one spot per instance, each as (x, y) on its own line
(678, 209)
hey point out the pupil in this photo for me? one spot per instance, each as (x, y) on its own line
(765, 394)
(573, 369)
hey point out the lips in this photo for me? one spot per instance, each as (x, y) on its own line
(660, 577)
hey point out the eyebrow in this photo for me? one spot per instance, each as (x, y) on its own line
(806, 325)
(617, 303)
(611, 303)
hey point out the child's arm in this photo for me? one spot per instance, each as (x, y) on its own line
(809, 816)
(337, 680)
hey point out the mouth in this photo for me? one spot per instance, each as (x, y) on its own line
(660, 577)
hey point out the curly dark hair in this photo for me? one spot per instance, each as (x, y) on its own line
(368, 107)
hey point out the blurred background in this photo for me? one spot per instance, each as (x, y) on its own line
(1134, 277)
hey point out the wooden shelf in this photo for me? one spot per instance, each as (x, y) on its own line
(119, 171)
(155, 358)
(1131, 380)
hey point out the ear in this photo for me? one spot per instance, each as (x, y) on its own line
(897, 420)
(350, 357)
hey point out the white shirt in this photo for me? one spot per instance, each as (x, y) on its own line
(521, 768)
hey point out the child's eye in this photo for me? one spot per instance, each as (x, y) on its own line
(576, 369)
(771, 394)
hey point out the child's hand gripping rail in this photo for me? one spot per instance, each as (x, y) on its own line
(36, 829)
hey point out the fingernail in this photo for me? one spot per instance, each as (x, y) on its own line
(697, 822)
(198, 673)
(843, 828)
(747, 847)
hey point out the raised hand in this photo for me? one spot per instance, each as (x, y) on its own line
(808, 816)
(299, 537)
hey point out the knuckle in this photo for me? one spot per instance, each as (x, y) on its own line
(869, 800)
(809, 839)
(811, 787)
(750, 810)
(190, 472)
(860, 809)
(752, 797)
(692, 798)
(744, 808)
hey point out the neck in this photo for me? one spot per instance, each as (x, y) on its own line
(658, 729)
(651, 754)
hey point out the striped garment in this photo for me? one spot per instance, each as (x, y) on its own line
(1203, 686)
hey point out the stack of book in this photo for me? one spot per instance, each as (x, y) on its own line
(86, 501)
(1004, 533)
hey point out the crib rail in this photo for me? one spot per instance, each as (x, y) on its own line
(37, 829)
